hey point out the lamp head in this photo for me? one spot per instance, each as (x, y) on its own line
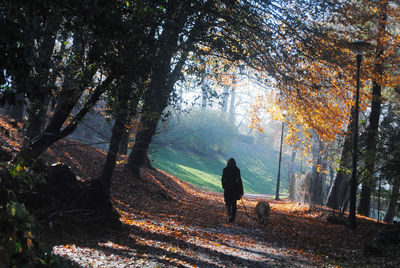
(359, 46)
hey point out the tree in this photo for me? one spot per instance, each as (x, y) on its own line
(241, 32)
(66, 63)
(392, 206)
(123, 97)
(308, 88)
(184, 24)
(389, 154)
(232, 104)
(225, 96)
(27, 49)
(372, 130)
(132, 83)
(339, 191)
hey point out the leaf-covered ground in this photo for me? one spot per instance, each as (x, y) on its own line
(167, 222)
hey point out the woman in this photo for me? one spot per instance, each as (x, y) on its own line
(233, 187)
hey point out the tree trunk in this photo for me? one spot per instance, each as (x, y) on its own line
(117, 132)
(225, 96)
(316, 188)
(41, 91)
(392, 207)
(123, 148)
(38, 108)
(232, 106)
(17, 111)
(53, 131)
(368, 183)
(292, 181)
(292, 158)
(157, 97)
(137, 157)
(155, 101)
(204, 94)
(37, 119)
(336, 195)
(309, 179)
(291, 176)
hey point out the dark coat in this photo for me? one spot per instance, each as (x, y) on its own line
(232, 184)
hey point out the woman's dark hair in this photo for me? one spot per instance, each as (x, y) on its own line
(231, 163)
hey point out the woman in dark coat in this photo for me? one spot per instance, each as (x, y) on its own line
(233, 187)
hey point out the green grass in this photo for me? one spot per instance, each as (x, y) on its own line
(199, 171)
(258, 167)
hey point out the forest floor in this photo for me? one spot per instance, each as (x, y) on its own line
(168, 223)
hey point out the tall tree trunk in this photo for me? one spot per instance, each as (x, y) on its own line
(117, 132)
(368, 183)
(157, 97)
(394, 197)
(155, 101)
(40, 93)
(337, 193)
(316, 188)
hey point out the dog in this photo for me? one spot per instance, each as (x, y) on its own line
(262, 210)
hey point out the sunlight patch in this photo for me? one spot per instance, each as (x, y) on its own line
(203, 176)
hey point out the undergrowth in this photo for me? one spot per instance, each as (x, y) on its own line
(20, 240)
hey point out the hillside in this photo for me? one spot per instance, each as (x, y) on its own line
(196, 145)
(258, 166)
(195, 149)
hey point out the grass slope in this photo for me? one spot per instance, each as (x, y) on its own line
(258, 167)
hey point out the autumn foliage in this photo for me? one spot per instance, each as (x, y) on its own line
(316, 87)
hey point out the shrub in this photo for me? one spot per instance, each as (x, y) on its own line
(20, 245)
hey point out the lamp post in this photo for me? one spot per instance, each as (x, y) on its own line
(278, 179)
(358, 47)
